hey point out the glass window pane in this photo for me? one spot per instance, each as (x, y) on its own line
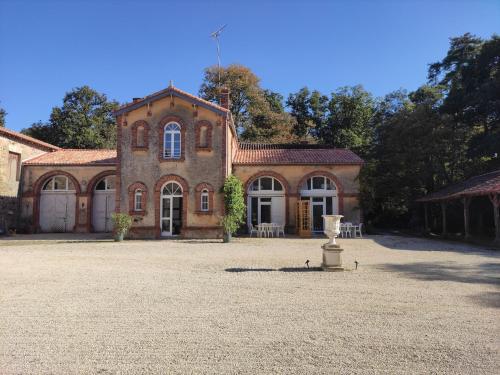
(59, 183)
(266, 183)
(110, 182)
(255, 185)
(329, 206)
(71, 186)
(329, 184)
(318, 183)
(255, 210)
(308, 184)
(277, 185)
(318, 199)
(167, 149)
(48, 185)
(101, 185)
(265, 199)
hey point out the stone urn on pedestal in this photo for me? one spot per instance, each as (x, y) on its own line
(332, 253)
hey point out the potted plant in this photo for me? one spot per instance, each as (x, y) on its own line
(234, 206)
(121, 224)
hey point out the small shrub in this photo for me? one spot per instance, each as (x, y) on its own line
(121, 224)
(234, 206)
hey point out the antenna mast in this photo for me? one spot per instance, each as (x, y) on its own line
(216, 35)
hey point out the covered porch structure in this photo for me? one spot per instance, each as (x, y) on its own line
(473, 196)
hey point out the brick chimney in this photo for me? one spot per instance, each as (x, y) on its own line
(225, 101)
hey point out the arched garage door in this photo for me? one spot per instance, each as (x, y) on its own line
(103, 205)
(57, 205)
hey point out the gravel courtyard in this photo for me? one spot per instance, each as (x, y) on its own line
(413, 306)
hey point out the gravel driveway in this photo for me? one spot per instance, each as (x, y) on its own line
(413, 306)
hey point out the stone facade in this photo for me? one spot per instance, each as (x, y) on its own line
(209, 152)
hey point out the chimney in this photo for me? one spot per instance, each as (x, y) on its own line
(225, 101)
(136, 99)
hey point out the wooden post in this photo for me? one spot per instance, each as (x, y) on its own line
(495, 200)
(426, 217)
(466, 202)
(443, 212)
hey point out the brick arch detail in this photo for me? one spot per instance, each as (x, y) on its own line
(135, 126)
(37, 189)
(198, 189)
(157, 196)
(90, 195)
(281, 179)
(131, 196)
(331, 176)
(164, 121)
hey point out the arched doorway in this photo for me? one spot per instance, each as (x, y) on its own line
(103, 204)
(57, 204)
(266, 201)
(322, 193)
(171, 209)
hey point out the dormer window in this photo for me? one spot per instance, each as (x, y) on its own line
(172, 141)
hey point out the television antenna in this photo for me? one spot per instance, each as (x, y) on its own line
(216, 35)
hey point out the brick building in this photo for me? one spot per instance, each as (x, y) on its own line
(174, 151)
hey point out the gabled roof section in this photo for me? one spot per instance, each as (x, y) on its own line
(174, 91)
(293, 154)
(75, 157)
(19, 137)
(484, 184)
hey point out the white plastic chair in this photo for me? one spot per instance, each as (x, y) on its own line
(346, 230)
(280, 230)
(251, 229)
(358, 229)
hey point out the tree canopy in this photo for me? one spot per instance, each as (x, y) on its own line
(2, 117)
(85, 120)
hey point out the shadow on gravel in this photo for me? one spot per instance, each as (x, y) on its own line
(428, 244)
(485, 273)
(487, 299)
(285, 269)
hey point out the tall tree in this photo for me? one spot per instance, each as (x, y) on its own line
(85, 120)
(258, 114)
(310, 110)
(2, 117)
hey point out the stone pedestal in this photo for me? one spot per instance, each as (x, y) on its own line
(332, 257)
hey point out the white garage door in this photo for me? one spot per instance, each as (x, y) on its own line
(57, 205)
(103, 205)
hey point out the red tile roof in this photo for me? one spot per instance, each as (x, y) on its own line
(11, 134)
(75, 157)
(488, 183)
(164, 93)
(262, 154)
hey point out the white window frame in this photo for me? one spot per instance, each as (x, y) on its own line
(138, 199)
(171, 148)
(204, 201)
(51, 181)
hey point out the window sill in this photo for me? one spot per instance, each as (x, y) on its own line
(199, 212)
(204, 149)
(140, 148)
(137, 213)
(163, 160)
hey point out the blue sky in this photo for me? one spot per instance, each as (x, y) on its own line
(129, 48)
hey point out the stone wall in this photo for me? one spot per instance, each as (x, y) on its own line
(8, 213)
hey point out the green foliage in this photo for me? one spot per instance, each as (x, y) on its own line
(234, 205)
(2, 117)
(85, 120)
(121, 222)
(258, 114)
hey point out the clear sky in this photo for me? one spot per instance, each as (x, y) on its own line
(130, 48)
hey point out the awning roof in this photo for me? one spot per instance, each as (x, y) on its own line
(485, 184)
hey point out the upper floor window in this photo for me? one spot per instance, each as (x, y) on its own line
(172, 141)
(58, 183)
(203, 137)
(140, 136)
(204, 200)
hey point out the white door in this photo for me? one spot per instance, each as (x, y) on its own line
(57, 211)
(278, 210)
(103, 206)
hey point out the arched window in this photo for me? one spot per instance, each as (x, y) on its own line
(203, 137)
(172, 188)
(140, 136)
(204, 200)
(138, 200)
(319, 183)
(58, 183)
(107, 183)
(266, 184)
(172, 141)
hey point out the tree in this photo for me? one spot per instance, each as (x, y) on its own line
(2, 117)
(309, 110)
(85, 120)
(258, 114)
